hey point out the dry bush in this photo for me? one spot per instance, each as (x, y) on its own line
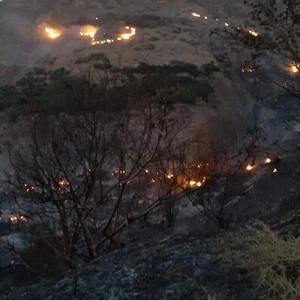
(273, 262)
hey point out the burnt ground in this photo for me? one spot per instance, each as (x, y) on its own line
(184, 268)
(178, 263)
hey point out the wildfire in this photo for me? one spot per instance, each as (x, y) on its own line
(193, 183)
(195, 15)
(268, 160)
(169, 176)
(52, 33)
(88, 31)
(63, 182)
(63, 186)
(248, 70)
(249, 167)
(28, 188)
(16, 219)
(123, 36)
(294, 69)
(126, 36)
(254, 33)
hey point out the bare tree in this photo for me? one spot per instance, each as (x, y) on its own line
(216, 175)
(79, 176)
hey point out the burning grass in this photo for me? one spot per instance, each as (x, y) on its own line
(273, 262)
(52, 33)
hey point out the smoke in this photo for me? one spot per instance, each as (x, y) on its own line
(22, 24)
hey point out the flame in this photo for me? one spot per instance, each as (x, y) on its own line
(294, 69)
(248, 70)
(226, 24)
(249, 167)
(88, 31)
(52, 33)
(63, 186)
(275, 170)
(126, 36)
(28, 188)
(195, 15)
(15, 219)
(268, 160)
(254, 33)
(123, 36)
(108, 41)
(63, 182)
(193, 183)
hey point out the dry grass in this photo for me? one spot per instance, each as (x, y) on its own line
(271, 261)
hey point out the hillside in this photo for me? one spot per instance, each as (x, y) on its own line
(149, 150)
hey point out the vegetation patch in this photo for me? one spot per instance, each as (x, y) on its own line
(273, 262)
(58, 91)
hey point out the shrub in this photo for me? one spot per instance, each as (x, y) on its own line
(154, 39)
(273, 262)
(103, 66)
(8, 96)
(210, 68)
(175, 67)
(59, 74)
(13, 113)
(201, 89)
(92, 57)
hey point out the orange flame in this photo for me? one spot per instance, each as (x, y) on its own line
(195, 15)
(268, 160)
(249, 167)
(88, 31)
(254, 33)
(294, 69)
(52, 33)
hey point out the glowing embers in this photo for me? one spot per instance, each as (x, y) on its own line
(52, 33)
(193, 183)
(28, 188)
(16, 219)
(254, 33)
(63, 186)
(247, 70)
(107, 41)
